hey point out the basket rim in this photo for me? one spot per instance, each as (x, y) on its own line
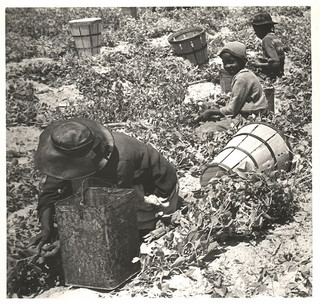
(222, 167)
(172, 36)
(62, 202)
(84, 21)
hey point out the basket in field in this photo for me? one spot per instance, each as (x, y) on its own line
(87, 35)
(257, 146)
(191, 44)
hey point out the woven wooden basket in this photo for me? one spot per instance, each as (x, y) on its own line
(87, 35)
(255, 146)
(191, 44)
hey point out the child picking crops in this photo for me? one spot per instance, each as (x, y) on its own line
(272, 62)
(247, 95)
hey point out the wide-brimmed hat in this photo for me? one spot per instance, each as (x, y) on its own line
(262, 18)
(237, 49)
(73, 148)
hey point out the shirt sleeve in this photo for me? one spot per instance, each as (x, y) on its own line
(239, 94)
(51, 191)
(270, 50)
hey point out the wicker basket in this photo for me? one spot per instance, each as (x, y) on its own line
(255, 146)
(87, 35)
(98, 236)
(191, 44)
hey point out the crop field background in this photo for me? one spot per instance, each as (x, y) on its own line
(258, 244)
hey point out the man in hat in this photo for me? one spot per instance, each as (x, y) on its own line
(272, 63)
(71, 150)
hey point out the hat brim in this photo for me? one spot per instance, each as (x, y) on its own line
(264, 23)
(53, 162)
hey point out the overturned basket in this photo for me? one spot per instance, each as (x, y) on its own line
(191, 44)
(256, 146)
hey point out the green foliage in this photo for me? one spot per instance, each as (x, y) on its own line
(145, 87)
(28, 273)
(22, 185)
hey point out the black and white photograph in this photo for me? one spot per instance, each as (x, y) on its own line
(160, 151)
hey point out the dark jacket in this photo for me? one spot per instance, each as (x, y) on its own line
(131, 163)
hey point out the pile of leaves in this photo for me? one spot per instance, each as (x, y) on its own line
(145, 88)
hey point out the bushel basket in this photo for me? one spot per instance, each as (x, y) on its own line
(256, 146)
(191, 44)
(98, 236)
(87, 35)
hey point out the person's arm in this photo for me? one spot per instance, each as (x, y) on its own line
(51, 191)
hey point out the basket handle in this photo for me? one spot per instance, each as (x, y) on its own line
(89, 182)
(93, 182)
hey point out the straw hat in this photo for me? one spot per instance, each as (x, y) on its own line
(73, 148)
(237, 49)
(262, 18)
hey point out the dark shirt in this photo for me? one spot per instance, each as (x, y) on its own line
(273, 52)
(131, 163)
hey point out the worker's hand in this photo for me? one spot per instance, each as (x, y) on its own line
(207, 115)
(156, 233)
(42, 238)
(50, 249)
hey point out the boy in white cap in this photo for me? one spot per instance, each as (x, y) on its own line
(247, 95)
(71, 150)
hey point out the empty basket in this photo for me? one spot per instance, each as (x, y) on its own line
(87, 35)
(191, 44)
(255, 146)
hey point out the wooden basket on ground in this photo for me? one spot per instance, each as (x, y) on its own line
(98, 235)
(256, 146)
(191, 44)
(87, 35)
